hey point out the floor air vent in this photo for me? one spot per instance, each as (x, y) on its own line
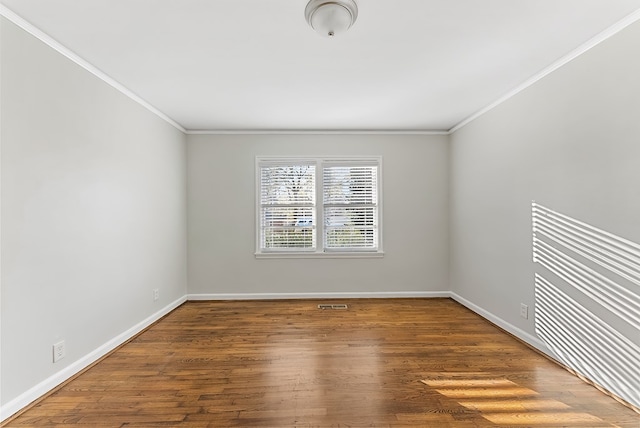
(339, 306)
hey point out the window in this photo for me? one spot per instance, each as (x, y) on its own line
(318, 206)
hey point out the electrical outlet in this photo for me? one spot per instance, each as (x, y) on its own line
(156, 294)
(59, 351)
(524, 311)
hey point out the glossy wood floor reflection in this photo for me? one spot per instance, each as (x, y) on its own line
(391, 362)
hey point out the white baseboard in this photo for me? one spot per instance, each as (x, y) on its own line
(335, 295)
(32, 394)
(519, 333)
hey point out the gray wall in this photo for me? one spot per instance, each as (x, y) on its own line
(93, 212)
(221, 199)
(570, 142)
(95, 191)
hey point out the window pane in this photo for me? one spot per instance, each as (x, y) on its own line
(351, 238)
(350, 185)
(287, 207)
(350, 216)
(287, 185)
(350, 195)
(287, 216)
(293, 238)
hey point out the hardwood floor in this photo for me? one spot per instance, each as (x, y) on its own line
(391, 362)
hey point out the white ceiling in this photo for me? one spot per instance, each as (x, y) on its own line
(406, 65)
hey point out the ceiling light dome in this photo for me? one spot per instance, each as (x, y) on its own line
(330, 18)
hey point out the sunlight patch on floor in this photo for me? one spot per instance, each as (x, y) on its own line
(524, 405)
(541, 418)
(504, 402)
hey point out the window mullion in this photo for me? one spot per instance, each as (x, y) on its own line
(319, 208)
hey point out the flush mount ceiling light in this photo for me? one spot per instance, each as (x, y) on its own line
(330, 18)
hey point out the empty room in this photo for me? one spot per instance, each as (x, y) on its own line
(312, 213)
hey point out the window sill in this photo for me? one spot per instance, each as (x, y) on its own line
(325, 255)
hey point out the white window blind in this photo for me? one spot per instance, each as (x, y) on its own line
(350, 202)
(287, 207)
(291, 220)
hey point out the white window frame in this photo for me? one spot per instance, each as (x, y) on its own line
(319, 251)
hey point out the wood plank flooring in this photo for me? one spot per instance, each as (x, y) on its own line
(379, 363)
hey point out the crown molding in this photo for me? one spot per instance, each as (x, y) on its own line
(315, 132)
(49, 41)
(591, 43)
